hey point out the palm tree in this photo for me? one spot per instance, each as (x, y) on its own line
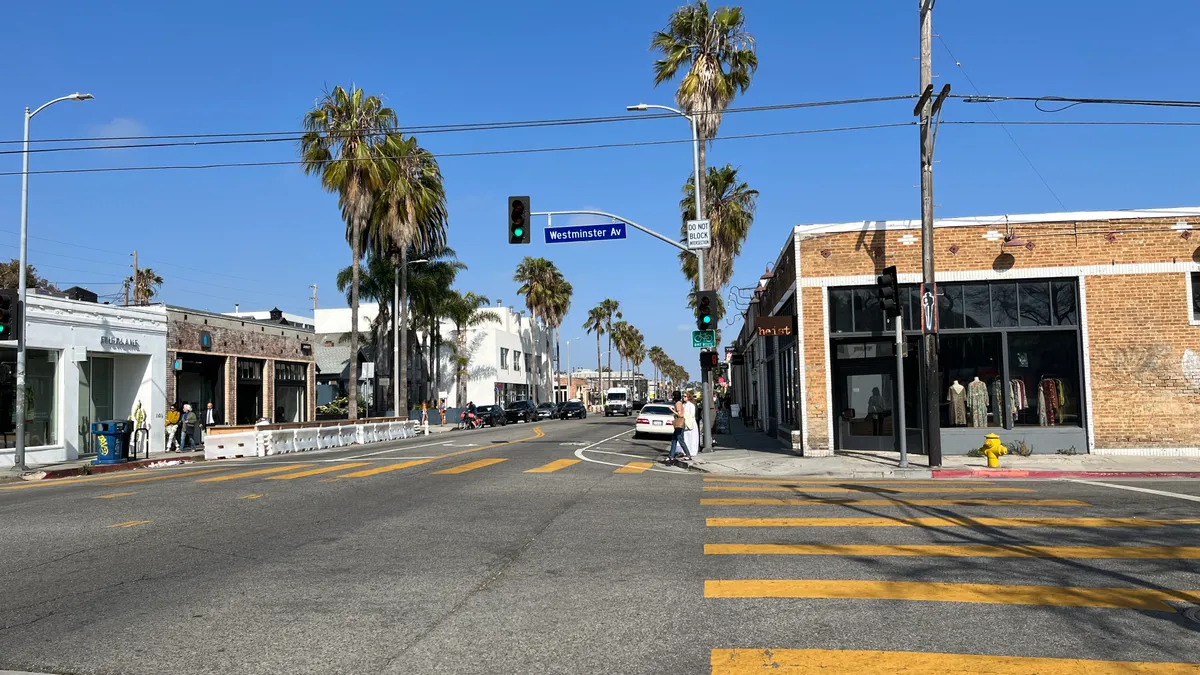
(410, 216)
(431, 287)
(547, 294)
(339, 145)
(600, 321)
(731, 211)
(558, 304)
(147, 286)
(465, 311)
(720, 60)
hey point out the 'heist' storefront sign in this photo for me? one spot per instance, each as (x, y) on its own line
(775, 326)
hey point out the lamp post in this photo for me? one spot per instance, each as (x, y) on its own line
(569, 367)
(706, 428)
(396, 327)
(19, 451)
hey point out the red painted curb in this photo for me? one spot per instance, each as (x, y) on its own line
(126, 466)
(1022, 473)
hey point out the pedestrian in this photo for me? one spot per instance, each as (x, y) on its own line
(424, 418)
(187, 426)
(172, 422)
(692, 429)
(679, 424)
(442, 410)
(210, 419)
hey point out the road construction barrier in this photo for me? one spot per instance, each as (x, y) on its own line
(276, 439)
(230, 445)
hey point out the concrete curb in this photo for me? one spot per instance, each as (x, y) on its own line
(66, 472)
(900, 474)
(1035, 473)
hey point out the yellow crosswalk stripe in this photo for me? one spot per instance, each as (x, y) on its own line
(859, 488)
(947, 521)
(471, 466)
(869, 662)
(817, 501)
(963, 551)
(115, 495)
(256, 472)
(554, 466)
(839, 481)
(1147, 599)
(634, 467)
(317, 472)
(383, 469)
(181, 474)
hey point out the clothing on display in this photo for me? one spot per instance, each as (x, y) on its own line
(957, 396)
(977, 401)
(1051, 401)
(998, 401)
(1020, 401)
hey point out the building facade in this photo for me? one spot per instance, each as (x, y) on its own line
(1071, 332)
(85, 362)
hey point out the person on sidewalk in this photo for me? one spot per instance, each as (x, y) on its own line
(442, 410)
(679, 423)
(172, 422)
(691, 427)
(210, 420)
(187, 426)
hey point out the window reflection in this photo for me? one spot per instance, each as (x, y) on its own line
(1034, 297)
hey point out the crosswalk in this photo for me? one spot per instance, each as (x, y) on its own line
(864, 525)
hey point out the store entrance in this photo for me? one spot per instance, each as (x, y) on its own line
(864, 395)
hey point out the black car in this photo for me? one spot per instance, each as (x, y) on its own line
(492, 415)
(547, 411)
(521, 411)
(572, 410)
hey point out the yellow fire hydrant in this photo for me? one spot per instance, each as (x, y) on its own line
(993, 450)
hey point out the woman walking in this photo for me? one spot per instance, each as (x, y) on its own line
(679, 423)
(692, 429)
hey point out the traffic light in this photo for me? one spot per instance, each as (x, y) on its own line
(10, 314)
(518, 220)
(889, 291)
(708, 361)
(706, 305)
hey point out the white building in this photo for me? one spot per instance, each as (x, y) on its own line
(297, 320)
(86, 362)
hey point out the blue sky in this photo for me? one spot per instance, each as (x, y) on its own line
(261, 236)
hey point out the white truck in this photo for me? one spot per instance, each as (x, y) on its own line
(616, 402)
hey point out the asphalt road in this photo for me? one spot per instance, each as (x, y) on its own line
(562, 548)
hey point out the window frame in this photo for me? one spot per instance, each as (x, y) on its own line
(1193, 286)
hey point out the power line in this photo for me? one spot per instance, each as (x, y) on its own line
(1077, 123)
(1002, 126)
(294, 135)
(1038, 100)
(478, 153)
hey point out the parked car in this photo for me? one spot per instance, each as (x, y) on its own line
(654, 420)
(492, 415)
(638, 404)
(547, 411)
(572, 410)
(521, 411)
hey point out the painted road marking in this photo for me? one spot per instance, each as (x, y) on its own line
(962, 551)
(555, 466)
(256, 472)
(115, 495)
(252, 496)
(187, 474)
(132, 523)
(861, 488)
(47, 482)
(1161, 493)
(471, 466)
(839, 481)
(382, 469)
(634, 467)
(817, 501)
(858, 662)
(580, 455)
(950, 521)
(1148, 599)
(317, 472)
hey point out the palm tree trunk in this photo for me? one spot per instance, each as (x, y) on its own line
(355, 250)
(599, 370)
(460, 367)
(610, 373)
(402, 404)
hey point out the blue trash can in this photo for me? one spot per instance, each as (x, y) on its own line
(112, 440)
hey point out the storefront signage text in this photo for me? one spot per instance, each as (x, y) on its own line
(774, 326)
(113, 342)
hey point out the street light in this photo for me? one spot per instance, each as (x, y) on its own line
(705, 432)
(569, 367)
(396, 327)
(19, 451)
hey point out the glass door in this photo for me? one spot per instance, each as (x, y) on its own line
(95, 399)
(864, 392)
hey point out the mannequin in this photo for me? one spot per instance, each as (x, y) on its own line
(957, 396)
(977, 401)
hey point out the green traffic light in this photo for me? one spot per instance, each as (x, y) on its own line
(518, 232)
(707, 319)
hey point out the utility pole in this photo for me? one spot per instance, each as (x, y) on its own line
(314, 299)
(929, 353)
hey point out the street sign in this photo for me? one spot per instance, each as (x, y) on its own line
(699, 234)
(704, 338)
(601, 232)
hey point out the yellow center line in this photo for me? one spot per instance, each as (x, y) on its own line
(555, 466)
(634, 467)
(382, 469)
(816, 501)
(865, 662)
(863, 488)
(132, 523)
(1147, 599)
(256, 472)
(252, 496)
(471, 466)
(115, 495)
(839, 481)
(184, 474)
(963, 551)
(317, 472)
(948, 521)
(49, 482)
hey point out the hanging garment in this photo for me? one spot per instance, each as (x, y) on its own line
(1041, 407)
(998, 400)
(1053, 408)
(958, 406)
(977, 401)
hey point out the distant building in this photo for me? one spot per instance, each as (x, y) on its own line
(276, 316)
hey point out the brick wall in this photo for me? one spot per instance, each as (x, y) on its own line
(816, 420)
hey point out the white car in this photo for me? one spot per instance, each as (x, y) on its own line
(654, 419)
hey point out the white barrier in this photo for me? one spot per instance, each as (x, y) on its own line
(262, 442)
(227, 446)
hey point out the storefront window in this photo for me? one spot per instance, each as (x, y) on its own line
(1195, 296)
(1043, 367)
(1035, 303)
(787, 381)
(971, 388)
(291, 389)
(41, 398)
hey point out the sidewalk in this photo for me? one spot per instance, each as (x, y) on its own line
(76, 467)
(745, 451)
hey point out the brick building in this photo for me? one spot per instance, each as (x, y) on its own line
(248, 369)
(1065, 330)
